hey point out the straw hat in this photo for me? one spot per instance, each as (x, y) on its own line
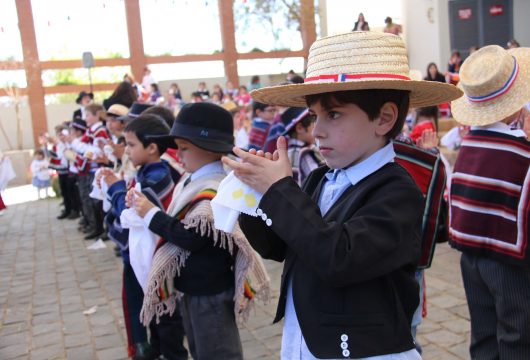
(117, 110)
(358, 61)
(496, 83)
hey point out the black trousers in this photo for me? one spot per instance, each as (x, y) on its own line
(168, 336)
(73, 192)
(63, 185)
(498, 297)
(133, 297)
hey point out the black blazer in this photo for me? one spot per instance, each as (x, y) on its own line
(353, 270)
(77, 115)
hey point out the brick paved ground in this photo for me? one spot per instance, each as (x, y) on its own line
(48, 278)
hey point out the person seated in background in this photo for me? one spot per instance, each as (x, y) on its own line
(433, 74)
(203, 91)
(392, 28)
(243, 97)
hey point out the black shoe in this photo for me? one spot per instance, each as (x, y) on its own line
(144, 351)
(105, 236)
(83, 222)
(63, 215)
(94, 235)
(73, 215)
(86, 230)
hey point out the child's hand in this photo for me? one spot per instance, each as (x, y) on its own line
(129, 198)
(107, 175)
(139, 202)
(260, 170)
(428, 139)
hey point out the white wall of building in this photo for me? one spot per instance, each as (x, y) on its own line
(521, 27)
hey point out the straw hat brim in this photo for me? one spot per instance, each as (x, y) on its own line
(486, 113)
(422, 93)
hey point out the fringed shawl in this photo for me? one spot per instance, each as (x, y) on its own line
(191, 205)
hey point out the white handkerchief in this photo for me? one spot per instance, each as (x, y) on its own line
(142, 244)
(100, 193)
(233, 197)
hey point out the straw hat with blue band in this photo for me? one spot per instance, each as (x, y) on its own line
(496, 84)
(358, 61)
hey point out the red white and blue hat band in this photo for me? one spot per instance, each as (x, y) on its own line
(500, 91)
(337, 78)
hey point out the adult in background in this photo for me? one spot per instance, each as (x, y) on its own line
(83, 99)
(392, 28)
(433, 74)
(124, 94)
(361, 24)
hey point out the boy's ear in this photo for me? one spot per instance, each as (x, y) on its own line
(387, 118)
(152, 148)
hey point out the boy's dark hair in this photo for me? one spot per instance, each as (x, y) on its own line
(148, 124)
(370, 101)
(258, 106)
(305, 122)
(163, 112)
(430, 112)
(38, 152)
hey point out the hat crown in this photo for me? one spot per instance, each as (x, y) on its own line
(486, 71)
(358, 52)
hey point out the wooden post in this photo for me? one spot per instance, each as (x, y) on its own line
(32, 67)
(136, 42)
(307, 26)
(228, 36)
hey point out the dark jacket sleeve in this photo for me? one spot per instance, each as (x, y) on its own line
(173, 231)
(380, 237)
(262, 238)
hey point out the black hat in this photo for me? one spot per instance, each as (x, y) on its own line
(79, 124)
(81, 95)
(290, 114)
(301, 115)
(205, 125)
(135, 111)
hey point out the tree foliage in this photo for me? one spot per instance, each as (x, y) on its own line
(276, 15)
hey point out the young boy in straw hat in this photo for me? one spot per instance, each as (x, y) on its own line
(490, 201)
(350, 238)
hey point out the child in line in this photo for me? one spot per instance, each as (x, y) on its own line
(203, 266)
(89, 148)
(303, 155)
(60, 164)
(490, 203)
(40, 173)
(264, 116)
(350, 238)
(156, 181)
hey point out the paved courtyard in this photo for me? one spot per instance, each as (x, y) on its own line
(48, 278)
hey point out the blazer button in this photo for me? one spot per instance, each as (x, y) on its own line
(268, 222)
(263, 217)
(259, 211)
(344, 345)
(344, 337)
(345, 353)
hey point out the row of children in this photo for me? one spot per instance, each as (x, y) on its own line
(354, 238)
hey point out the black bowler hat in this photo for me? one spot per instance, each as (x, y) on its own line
(135, 111)
(81, 95)
(79, 124)
(205, 125)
